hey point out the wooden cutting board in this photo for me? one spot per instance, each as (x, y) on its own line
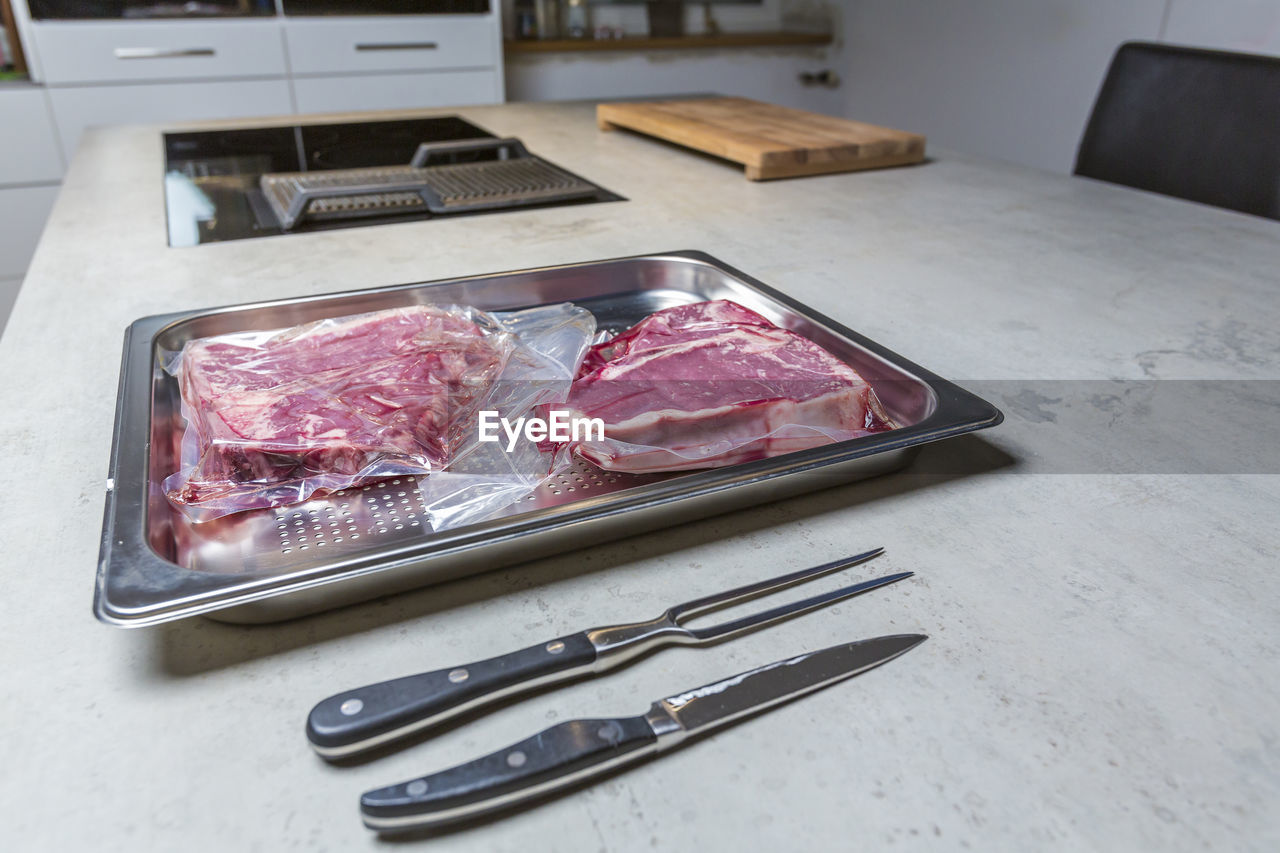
(771, 141)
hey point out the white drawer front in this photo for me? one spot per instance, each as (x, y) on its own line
(392, 44)
(396, 91)
(80, 108)
(29, 151)
(23, 211)
(76, 52)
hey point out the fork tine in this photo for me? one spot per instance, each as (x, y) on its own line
(795, 608)
(744, 593)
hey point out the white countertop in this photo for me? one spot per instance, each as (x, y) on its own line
(1103, 665)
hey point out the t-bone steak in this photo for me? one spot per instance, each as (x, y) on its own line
(713, 384)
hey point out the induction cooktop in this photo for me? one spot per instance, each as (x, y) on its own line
(214, 179)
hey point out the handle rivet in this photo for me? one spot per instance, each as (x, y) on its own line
(609, 732)
(517, 759)
(416, 788)
(459, 675)
(555, 647)
(351, 707)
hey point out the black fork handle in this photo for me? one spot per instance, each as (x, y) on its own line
(356, 720)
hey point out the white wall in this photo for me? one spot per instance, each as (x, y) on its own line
(770, 74)
(1247, 25)
(1014, 79)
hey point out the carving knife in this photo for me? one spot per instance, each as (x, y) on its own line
(577, 750)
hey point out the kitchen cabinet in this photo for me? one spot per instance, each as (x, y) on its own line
(123, 72)
(425, 42)
(79, 52)
(23, 211)
(9, 289)
(76, 108)
(129, 71)
(29, 150)
(397, 91)
(394, 62)
(31, 166)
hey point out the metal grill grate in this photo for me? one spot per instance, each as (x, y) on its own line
(518, 179)
(363, 205)
(500, 183)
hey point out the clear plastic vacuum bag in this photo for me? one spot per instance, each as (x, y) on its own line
(277, 417)
(711, 384)
(493, 475)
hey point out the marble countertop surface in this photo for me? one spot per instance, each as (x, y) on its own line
(1097, 575)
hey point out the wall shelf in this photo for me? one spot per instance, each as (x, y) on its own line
(723, 40)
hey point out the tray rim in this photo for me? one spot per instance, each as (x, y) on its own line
(961, 410)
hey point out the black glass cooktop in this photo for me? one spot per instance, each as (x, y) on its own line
(211, 179)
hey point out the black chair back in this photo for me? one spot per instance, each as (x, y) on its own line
(1203, 125)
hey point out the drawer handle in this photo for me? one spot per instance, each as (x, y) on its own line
(161, 52)
(398, 45)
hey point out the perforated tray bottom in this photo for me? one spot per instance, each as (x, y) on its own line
(389, 506)
(387, 512)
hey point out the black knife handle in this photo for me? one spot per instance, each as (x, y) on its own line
(556, 757)
(360, 719)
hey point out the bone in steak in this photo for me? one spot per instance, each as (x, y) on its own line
(275, 417)
(713, 384)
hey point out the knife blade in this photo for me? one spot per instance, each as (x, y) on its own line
(577, 750)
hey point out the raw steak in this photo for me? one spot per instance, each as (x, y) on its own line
(273, 417)
(713, 384)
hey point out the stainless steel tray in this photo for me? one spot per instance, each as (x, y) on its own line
(270, 565)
